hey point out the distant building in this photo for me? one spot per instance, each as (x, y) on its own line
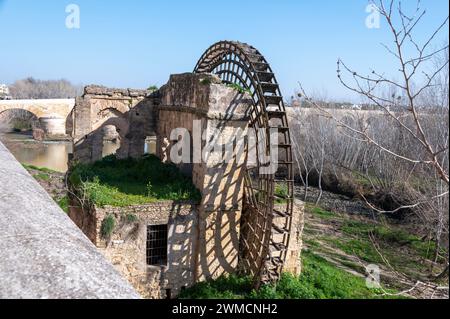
(4, 92)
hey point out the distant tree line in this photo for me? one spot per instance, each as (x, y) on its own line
(31, 88)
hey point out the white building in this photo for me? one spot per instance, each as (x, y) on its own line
(4, 92)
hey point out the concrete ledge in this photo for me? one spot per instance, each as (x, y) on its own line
(42, 253)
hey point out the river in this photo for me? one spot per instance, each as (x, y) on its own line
(51, 154)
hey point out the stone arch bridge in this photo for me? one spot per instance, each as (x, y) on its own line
(55, 115)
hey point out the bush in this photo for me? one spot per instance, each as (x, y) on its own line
(108, 225)
(131, 218)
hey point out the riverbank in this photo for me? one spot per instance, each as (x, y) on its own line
(53, 182)
(49, 154)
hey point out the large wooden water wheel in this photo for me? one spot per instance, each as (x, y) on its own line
(268, 203)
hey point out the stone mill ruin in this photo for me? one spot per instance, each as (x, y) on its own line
(243, 223)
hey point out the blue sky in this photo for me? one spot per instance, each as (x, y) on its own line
(137, 43)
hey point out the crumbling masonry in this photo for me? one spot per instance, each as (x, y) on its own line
(203, 238)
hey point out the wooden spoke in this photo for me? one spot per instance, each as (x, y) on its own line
(267, 196)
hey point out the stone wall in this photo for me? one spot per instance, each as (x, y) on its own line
(43, 255)
(219, 112)
(130, 111)
(126, 247)
(293, 263)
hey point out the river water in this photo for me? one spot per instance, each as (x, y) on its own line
(53, 155)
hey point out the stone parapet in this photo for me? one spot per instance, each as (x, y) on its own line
(43, 254)
(98, 90)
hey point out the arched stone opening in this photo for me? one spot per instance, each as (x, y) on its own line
(18, 121)
(111, 140)
(150, 145)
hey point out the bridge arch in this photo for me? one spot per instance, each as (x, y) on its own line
(42, 107)
(267, 219)
(7, 110)
(15, 118)
(54, 114)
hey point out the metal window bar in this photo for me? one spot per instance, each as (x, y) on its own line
(156, 245)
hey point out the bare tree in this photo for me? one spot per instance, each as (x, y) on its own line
(31, 88)
(407, 146)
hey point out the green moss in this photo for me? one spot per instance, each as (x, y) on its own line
(108, 225)
(114, 182)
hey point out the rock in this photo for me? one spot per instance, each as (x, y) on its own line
(38, 134)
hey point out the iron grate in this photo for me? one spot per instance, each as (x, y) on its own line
(156, 245)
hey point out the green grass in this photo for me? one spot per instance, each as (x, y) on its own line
(114, 182)
(42, 177)
(390, 237)
(363, 248)
(319, 212)
(225, 287)
(40, 169)
(319, 280)
(405, 252)
(64, 203)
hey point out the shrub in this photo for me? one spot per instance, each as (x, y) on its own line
(108, 225)
(131, 218)
(238, 88)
